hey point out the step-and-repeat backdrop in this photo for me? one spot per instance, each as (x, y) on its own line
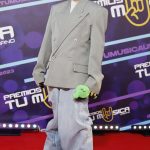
(124, 98)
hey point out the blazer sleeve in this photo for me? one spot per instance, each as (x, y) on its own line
(44, 52)
(97, 37)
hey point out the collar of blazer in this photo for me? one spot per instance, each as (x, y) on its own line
(69, 21)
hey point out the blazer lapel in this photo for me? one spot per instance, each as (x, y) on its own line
(68, 21)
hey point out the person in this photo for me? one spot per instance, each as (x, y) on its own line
(69, 63)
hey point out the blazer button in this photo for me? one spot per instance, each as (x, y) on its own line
(75, 39)
(53, 57)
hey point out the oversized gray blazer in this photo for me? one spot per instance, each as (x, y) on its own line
(72, 49)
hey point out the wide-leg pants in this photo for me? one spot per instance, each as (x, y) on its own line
(70, 128)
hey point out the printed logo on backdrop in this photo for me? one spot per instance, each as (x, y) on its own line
(11, 2)
(137, 12)
(142, 69)
(108, 114)
(127, 50)
(7, 35)
(24, 98)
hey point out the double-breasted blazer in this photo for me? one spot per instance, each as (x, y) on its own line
(72, 48)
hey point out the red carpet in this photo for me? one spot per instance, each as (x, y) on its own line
(113, 141)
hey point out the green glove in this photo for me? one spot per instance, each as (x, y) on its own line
(81, 91)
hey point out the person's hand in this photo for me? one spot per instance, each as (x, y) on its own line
(41, 85)
(81, 92)
(93, 95)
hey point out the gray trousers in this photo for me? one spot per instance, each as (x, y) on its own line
(70, 128)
